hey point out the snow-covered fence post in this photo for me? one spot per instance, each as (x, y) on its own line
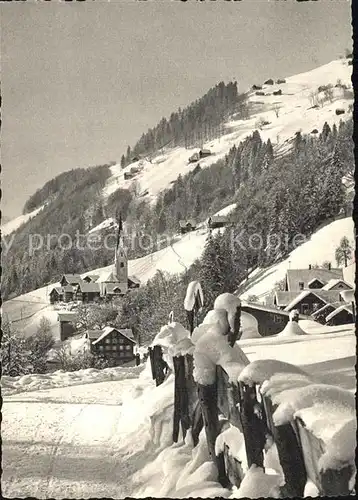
(208, 399)
(252, 427)
(193, 302)
(157, 364)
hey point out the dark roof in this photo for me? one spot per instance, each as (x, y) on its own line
(57, 289)
(72, 278)
(295, 276)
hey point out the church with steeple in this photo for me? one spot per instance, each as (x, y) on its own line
(116, 281)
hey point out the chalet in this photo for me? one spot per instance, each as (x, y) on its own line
(111, 290)
(306, 301)
(56, 295)
(68, 293)
(115, 344)
(87, 292)
(128, 175)
(337, 284)
(67, 321)
(194, 158)
(297, 280)
(271, 320)
(280, 80)
(340, 111)
(216, 221)
(269, 82)
(341, 316)
(314, 131)
(187, 225)
(259, 92)
(204, 152)
(256, 87)
(70, 279)
(277, 92)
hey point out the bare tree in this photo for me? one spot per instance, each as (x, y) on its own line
(276, 108)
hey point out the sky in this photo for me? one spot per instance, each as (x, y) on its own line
(81, 81)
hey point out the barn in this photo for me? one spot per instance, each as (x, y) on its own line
(67, 321)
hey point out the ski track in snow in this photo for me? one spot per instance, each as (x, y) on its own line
(66, 443)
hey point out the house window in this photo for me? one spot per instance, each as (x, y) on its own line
(121, 264)
(305, 309)
(121, 347)
(128, 347)
(114, 340)
(121, 341)
(108, 340)
(108, 348)
(316, 306)
(100, 347)
(301, 285)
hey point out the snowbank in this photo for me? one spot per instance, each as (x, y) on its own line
(60, 378)
(291, 329)
(257, 484)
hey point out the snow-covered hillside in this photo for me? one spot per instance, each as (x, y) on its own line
(319, 248)
(295, 113)
(11, 226)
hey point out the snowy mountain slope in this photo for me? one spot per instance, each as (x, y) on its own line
(113, 439)
(295, 114)
(14, 224)
(318, 249)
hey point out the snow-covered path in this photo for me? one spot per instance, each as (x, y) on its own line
(64, 443)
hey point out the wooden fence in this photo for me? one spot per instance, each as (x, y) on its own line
(197, 405)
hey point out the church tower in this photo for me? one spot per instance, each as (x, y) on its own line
(120, 260)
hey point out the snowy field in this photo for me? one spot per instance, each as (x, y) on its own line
(113, 438)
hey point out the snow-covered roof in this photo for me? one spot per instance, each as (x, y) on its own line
(313, 280)
(125, 332)
(347, 295)
(117, 287)
(291, 299)
(72, 278)
(57, 289)
(344, 307)
(326, 306)
(296, 276)
(333, 282)
(67, 316)
(134, 279)
(108, 276)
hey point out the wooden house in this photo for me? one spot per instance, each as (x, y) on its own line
(133, 282)
(321, 314)
(68, 293)
(56, 295)
(115, 344)
(70, 279)
(216, 221)
(111, 290)
(306, 301)
(194, 158)
(271, 320)
(297, 280)
(204, 152)
(88, 292)
(128, 175)
(67, 321)
(269, 82)
(256, 87)
(277, 92)
(280, 80)
(187, 225)
(342, 315)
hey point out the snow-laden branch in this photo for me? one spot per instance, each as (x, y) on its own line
(193, 293)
